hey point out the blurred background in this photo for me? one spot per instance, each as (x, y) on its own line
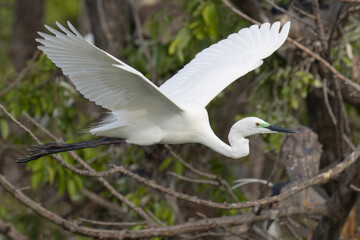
(158, 37)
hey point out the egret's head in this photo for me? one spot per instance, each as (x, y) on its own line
(253, 125)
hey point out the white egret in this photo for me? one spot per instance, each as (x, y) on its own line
(174, 113)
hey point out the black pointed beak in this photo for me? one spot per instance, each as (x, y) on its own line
(280, 129)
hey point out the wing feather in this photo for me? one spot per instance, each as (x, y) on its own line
(102, 78)
(216, 67)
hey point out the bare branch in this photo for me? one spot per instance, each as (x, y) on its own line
(320, 27)
(188, 227)
(301, 47)
(10, 232)
(299, 10)
(194, 180)
(22, 74)
(290, 14)
(32, 120)
(189, 166)
(112, 190)
(19, 124)
(103, 202)
(221, 181)
(116, 224)
(327, 104)
(142, 41)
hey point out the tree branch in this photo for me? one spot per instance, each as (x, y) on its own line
(188, 227)
(301, 47)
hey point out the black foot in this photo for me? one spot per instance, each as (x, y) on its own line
(38, 151)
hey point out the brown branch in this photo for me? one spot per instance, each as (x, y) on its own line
(320, 27)
(22, 74)
(142, 41)
(19, 124)
(116, 224)
(10, 232)
(202, 173)
(301, 47)
(32, 120)
(188, 227)
(112, 190)
(350, 1)
(103, 202)
(340, 204)
(189, 166)
(299, 10)
(317, 180)
(290, 14)
(194, 180)
(327, 104)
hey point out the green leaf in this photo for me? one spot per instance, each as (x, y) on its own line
(178, 167)
(71, 188)
(36, 178)
(50, 173)
(5, 130)
(165, 163)
(208, 13)
(173, 46)
(180, 42)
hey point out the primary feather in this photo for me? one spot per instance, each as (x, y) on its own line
(216, 67)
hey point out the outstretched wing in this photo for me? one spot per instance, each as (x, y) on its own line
(100, 77)
(216, 67)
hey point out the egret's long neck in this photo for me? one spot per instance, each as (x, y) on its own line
(238, 147)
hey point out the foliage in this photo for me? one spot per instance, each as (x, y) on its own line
(50, 98)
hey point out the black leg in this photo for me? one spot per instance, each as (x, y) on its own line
(39, 151)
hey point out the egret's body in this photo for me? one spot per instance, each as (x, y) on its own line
(173, 113)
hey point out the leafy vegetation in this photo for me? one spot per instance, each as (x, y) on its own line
(278, 95)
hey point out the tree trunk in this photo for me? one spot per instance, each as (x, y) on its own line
(28, 21)
(110, 23)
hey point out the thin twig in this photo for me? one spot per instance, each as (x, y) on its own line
(320, 27)
(221, 181)
(350, 1)
(194, 180)
(290, 14)
(348, 141)
(112, 190)
(117, 224)
(327, 104)
(316, 180)
(158, 221)
(22, 74)
(99, 200)
(32, 120)
(301, 47)
(143, 44)
(299, 10)
(19, 124)
(189, 166)
(10, 232)
(188, 227)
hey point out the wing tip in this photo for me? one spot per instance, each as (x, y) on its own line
(286, 28)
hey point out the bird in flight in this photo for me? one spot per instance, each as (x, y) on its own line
(174, 113)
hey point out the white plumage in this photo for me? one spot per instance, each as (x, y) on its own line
(145, 114)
